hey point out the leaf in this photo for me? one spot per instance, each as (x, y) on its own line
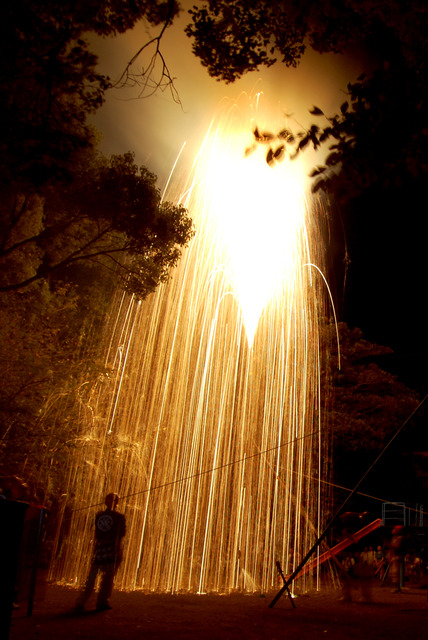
(267, 136)
(279, 152)
(303, 142)
(317, 186)
(344, 107)
(262, 137)
(269, 157)
(256, 134)
(314, 140)
(316, 111)
(249, 150)
(317, 171)
(325, 134)
(332, 159)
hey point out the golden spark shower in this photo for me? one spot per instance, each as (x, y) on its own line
(209, 421)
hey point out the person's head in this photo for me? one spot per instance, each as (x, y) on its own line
(111, 500)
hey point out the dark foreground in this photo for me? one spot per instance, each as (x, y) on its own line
(178, 617)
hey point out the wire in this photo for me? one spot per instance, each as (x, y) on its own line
(338, 512)
(202, 473)
(275, 448)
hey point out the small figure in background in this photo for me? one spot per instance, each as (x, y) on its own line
(396, 558)
(381, 564)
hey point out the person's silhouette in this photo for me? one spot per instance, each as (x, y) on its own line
(110, 528)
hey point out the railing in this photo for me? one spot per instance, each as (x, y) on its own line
(400, 513)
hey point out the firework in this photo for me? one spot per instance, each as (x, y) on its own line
(211, 423)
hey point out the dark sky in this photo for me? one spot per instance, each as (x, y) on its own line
(386, 294)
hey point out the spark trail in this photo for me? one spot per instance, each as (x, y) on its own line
(211, 422)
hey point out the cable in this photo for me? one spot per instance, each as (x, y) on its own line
(202, 473)
(336, 515)
(260, 453)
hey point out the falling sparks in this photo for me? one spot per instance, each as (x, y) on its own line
(211, 424)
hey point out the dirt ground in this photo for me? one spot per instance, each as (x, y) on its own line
(208, 617)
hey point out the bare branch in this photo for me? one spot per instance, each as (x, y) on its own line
(146, 77)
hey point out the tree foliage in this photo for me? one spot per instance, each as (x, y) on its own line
(370, 403)
(75, 227)
(51, 359)
(373, 151)
(49, 81)
(111, 213)
(66, 250)
(379, 136)
(234, 37)
(369, 406)
(60, 202)
(365, 147)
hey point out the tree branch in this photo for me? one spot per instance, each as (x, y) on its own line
(145, 78)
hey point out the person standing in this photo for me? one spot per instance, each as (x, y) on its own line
(396, 558)
(110, 528)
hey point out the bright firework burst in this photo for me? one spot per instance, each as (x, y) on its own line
(211, 424)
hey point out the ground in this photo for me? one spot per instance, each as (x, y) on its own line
(401, 616)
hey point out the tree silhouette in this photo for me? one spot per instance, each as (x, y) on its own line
(111, 214)
(49, 81)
